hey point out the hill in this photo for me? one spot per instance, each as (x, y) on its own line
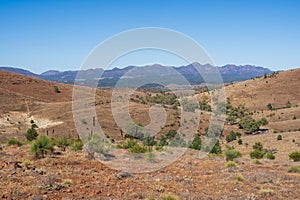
(72, 174)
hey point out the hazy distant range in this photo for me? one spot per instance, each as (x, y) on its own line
(109, 78)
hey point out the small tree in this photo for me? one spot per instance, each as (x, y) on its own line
(31, 134)
(41, 146)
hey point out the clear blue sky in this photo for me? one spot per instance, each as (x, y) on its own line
(59, 34)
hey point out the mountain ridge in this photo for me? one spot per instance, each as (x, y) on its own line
(108, 78)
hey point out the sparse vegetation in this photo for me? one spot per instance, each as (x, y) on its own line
(294, 169)
(295, 156)
(231, 164)
(256, 154)
(14, 141)
(231, 154)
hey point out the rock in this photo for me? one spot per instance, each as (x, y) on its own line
(37, 197)
(123, 174)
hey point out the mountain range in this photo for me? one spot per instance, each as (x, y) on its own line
(109, 78)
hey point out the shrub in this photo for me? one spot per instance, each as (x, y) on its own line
(169, 197)
(269, 106)
(295, 156)
(14, 141)
(263, 121)
(137, 148)
(240, 141)
(196, 143)
(178, 141)
(171, 134)
(27, 163)
(249, 124)
(256, 154)
(269, 156)
(231, 136)
(62, 143)
(238, 177)
(31, 134)
(128, 143)
(41, 146)
(217, 148)
(258, 146)
(294, 169)
(279, 137)
(230, 164)
(232, 154)
(149, 141)
(76, 145)
(163, 141)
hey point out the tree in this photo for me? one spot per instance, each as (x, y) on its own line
(196, 143)
(249, 124)
(31, 134)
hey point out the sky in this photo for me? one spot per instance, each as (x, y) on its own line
(39, 35)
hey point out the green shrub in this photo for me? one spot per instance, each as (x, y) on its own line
(128, 143)
(240, 141)
(232, 154)
(138, 148)
(256, 154)
(41, 146)
(163, 141)
(149, 141)
(295, 156)
(178, 141)
(279, 137)
(269, 156)
(217, 148)
(171, 134)
(14, 141)
(231, 136)
(231, 164)
(294, 169)
(31, 134)
(76, 145)
(196, 143)
(258, 146)
(169, 197)
(238, 177)
(62, 143)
